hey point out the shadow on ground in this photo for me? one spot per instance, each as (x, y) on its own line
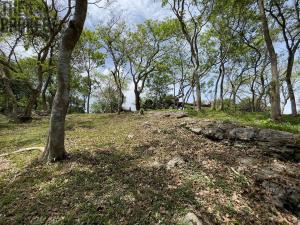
(110, 189)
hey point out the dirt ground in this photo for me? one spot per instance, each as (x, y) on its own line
(134, 169)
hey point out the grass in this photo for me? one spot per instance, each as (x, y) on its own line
(262, 120)
(108, 180)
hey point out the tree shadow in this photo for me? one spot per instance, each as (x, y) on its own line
(102, 187)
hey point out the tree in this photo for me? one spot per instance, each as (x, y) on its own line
(286, 15)
(87, 59)
(275, 85)
(107, 95)
(114, 42)
(55, 148)
(43, 40)
(192, 16)
(145, 49)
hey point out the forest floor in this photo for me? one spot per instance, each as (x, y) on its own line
(134, 169)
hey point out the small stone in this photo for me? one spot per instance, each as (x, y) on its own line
(175, 162)
(130, 136)
(181, 115)
(191, 219)
(196, 130)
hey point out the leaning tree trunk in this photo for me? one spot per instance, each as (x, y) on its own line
(275, 86)
(55, 148)
(290, 86)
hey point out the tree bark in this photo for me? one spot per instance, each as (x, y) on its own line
(198, 91)
(290, 85)
(275, 86)
(137, 100)
(120, 102)
(216, 89)
(48, 81)
(222, 86)
(89, 92)
(55, 148)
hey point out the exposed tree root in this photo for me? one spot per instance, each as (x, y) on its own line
(23, 150)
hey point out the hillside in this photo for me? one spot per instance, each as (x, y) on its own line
(151, 169)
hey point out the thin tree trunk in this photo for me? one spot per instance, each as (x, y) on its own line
(216, 89)
(44, 99)
(120, 102)
(198, 91)
(275, 90)
(88, 103)
(222, 86)
(55, 148)
(89, 92)
(48, 81)
(290, 86)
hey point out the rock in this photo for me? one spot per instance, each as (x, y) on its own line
(242, 134)
(190, 219)
(154, 164)
(175, 162)
(130, 136)
(196, 130)
(275, 137)
(215, 134)
(291, 202)
(181, 115)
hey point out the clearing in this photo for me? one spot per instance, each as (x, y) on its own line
(134, 169)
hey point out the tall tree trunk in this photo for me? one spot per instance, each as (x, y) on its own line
(222, 86)
(234, 99)
(216, 89)
(89, 92)
(48, 81)
(275, 85)
(55, 148)
(120, 102)
(44, 99)
(290, 86)
(88, 103)
(252, 98)
(137, 100)
(198, 91)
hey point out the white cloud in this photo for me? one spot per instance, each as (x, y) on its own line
(132, 12)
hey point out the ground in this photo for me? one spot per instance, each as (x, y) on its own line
(134, 169)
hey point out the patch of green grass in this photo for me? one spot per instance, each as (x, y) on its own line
(288, 123)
